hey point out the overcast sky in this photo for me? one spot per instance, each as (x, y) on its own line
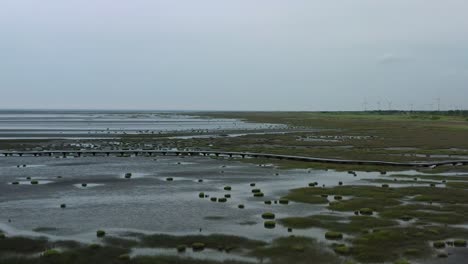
(233, 54)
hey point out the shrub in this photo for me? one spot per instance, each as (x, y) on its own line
(84, 184)
(385, 186)
(227, 188)
(338, 197)
(15, 183)
(252, 184)
(333, 235)
(222, 200)
(128, 175)
(34, 182)
(241, 206)
(267, 202)
(124, 257)
(63, 205)
(256, 191)
(200, 180)
(197, 246)
(227, 195)
(268, 215)
(258, 194)
(213, 199)
(2, 236)
(269, 224)
(340, 183)
(100, 233)
(201, 195)
(283, 201)
(169, 179)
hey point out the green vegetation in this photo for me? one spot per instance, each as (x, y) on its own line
(459, 243)
(100, 233)
(353, 224)
(366, 211)
(333, 235)
(268, 215)
(342, 250)
(269, 224)
(181, 248)
(439, 244)
(198, 246)
(390, 243)
(50, 252)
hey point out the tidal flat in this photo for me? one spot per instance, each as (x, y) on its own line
(195, 209)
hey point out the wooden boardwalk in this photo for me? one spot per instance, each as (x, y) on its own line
(227, 154)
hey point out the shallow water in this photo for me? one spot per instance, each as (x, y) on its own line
(148, 202)
(66, 124)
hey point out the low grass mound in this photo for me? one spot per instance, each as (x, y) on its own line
(100, 233)
(332, 235)
(269, 224)
(342, 250)
(366, 211)
(268, 215)
(439, 244)
(50, 252)
(198, 246)
(181, 248)
(459, 243)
